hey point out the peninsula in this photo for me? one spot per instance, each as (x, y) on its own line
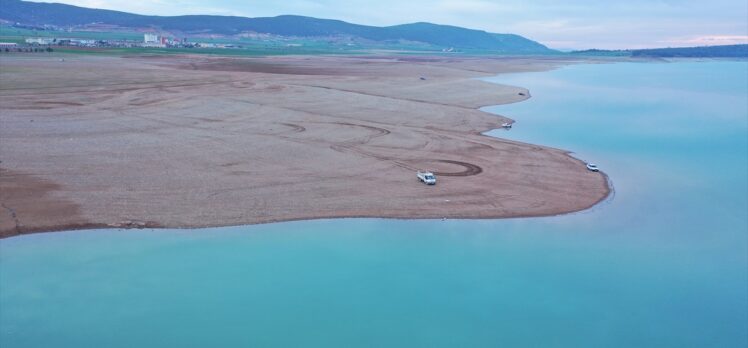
(195, 141)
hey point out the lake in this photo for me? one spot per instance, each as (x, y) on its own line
(661, 263)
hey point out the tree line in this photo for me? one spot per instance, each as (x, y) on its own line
(26, 49)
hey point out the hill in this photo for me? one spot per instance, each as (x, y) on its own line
(725, 51)
(67, 16)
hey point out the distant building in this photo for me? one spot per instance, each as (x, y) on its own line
(81, 42)
(153, 45)
(7, 44)
(151, 38)
(40, 41)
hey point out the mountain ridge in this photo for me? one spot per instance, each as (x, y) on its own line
(446, 36)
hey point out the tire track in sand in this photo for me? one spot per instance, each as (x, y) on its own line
(470, 169)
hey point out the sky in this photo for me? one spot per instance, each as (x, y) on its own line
(561, 24)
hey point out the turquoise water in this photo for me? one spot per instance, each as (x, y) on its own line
(664, 263)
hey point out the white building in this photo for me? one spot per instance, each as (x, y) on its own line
(40, 41)
(151, 39)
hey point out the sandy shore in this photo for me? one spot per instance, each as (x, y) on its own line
(201, 141)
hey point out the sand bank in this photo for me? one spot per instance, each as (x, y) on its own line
(209, 141)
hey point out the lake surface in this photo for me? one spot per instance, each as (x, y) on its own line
(663, 263)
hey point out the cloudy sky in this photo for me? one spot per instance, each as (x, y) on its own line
(565, 24)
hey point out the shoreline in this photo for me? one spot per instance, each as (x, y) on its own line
(153, 226)
(469, 212)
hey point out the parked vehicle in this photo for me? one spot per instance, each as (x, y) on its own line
(427, 178)
(592, 167)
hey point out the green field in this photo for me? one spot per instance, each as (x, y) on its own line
(249, 46)
(11, 34)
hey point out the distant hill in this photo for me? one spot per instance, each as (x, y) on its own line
(726, 51)
(60, 15)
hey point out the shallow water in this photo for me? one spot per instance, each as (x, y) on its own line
(664, 263)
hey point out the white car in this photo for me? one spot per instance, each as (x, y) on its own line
(592, 167)
(427, 178)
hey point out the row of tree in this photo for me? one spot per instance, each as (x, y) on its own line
(26, 49)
